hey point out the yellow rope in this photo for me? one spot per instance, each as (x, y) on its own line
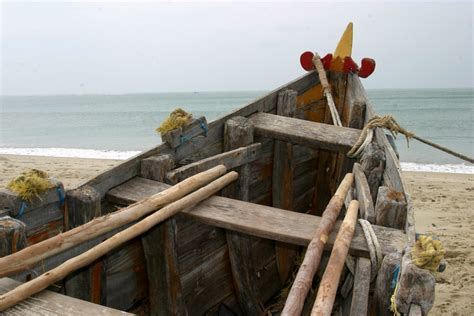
(393, 302)
(31, 183)
(177, 118)
(427, 253)
(387, 122)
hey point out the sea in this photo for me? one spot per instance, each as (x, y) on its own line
(121, 126)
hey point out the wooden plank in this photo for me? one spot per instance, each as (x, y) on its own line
(230, 159)
(155, 167)
(180, 136)
(239, 132)
(360, 295)
(273, 223)
(165, 290)
(372, 162)
(159, 246)
(50, 303)
(311, 134)
(282, 182)
(12, 235)
(83, 204)
(366, 206)
(135, 190)
(390, 208)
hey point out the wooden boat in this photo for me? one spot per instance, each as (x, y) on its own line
(237, 253)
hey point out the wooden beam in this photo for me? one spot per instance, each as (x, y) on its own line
(182, 135)
(159, 246)
(282, 182)
(155, 167)
(231, 159)
(366, 206)
(239, 132)
(390, 208)
(50, 303)
(360, 294)
(83, 205)
(12, 235)
(302, 132)
(272, 223)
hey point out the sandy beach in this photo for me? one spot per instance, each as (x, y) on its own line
(443, 205)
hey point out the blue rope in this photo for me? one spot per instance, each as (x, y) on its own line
(22, 210)
(396, 271)
(61, 195)
(204, 127)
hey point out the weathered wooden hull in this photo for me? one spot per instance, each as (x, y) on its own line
(197, 263)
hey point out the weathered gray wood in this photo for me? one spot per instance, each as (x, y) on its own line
(179, 136)
(366, 206)
(155, 167)
(239, 132)
(230, 159)
(373, 164)
(159, 246)
(390, 208)
(83, 204)
(360, 295)
(165, 291)
(384, 285)
(282, 182)
(415, 286)
(273, 223)
(12, 235)
(49, 303)
(311, 134)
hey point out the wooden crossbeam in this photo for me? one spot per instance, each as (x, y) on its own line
(306, 133)
(262, 221)
(230, 159)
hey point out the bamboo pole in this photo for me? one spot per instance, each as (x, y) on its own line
(27, 289)
(336, 120)
(35, 253)
(300, 288)
(331, 277)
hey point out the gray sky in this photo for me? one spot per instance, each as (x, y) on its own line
(126, 47)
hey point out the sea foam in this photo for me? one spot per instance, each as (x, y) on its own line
(122, 155)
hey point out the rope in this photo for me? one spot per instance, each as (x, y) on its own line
(22, 210)
(375, 250)
(389, 122)
(394, 285)
(427, 253)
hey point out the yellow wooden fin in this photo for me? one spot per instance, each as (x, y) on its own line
(344, 48)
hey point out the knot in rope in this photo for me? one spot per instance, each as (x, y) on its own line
(388, 122)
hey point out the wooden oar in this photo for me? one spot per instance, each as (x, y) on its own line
(43, 281)
(330, 281)
(27, 257)
(300, 288)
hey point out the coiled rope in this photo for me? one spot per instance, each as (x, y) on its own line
(389, 122)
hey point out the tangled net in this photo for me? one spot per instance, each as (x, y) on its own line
(178, 118)
(30, 184)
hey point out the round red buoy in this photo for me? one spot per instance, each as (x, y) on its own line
(367, 67)
(306, 60)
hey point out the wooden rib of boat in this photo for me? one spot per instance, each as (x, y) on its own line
(235, 254)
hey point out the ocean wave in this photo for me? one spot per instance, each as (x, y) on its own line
(70, 153)
(122, 155)
(446, 168)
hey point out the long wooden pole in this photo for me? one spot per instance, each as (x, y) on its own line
(33, 254)
(43, 281)
(295, 301)
(330, 281)
(336, 120)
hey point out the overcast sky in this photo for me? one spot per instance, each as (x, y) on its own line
(127, 47)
